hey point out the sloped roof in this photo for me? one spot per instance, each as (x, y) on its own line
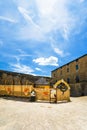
(42, 81)
(70, 62)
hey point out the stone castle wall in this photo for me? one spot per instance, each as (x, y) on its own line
(75, 73)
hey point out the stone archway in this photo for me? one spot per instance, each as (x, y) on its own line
(62, 90)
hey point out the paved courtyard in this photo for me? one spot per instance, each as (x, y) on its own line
(21, 115)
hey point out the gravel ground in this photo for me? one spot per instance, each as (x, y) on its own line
(21, 115)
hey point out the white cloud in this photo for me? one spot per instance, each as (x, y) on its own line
(82, 1)
(54, 15)
(25, 13)
(38, 69)
(21, 68)
(7, 19)
(52, 61)
(51, 15)
(22, 53)
(31, 30)
(16, 57)
(44, 17)
(58, 51)
(46, 7)
(61, 52)
(59, 48)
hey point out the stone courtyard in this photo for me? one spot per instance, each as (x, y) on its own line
(24, 115)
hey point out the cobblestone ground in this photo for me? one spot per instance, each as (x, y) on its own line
(19, 115)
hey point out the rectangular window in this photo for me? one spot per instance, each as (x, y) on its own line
(54, 75)
(77, 79)
(68, 80)
(77, 67)
(67, 69)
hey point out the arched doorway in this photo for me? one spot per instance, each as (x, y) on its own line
(60, 91)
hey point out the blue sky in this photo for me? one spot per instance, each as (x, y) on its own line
(37, 36)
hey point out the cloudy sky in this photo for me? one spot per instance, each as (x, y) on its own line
(37, 36)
